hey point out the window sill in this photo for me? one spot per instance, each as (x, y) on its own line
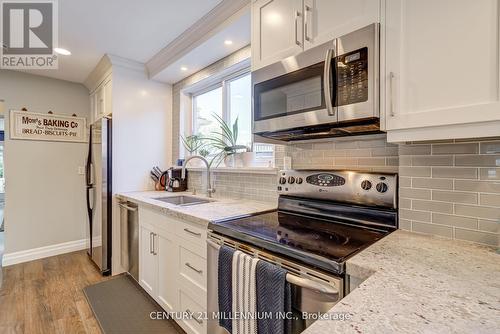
(247, 170)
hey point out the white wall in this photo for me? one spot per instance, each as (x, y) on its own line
(45, 196)
(141, 138)
(142, 123)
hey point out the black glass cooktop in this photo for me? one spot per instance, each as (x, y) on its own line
(322, 243)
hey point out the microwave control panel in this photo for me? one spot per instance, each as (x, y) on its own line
(352, 77)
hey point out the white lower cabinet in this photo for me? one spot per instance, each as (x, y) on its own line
(167, 274)
(173, 266)
(148, 268)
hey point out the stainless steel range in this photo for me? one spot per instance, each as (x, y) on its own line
(323, 219)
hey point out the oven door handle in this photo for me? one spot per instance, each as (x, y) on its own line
(299, 281)
(213, 244)
(327, 87)
(312, 285)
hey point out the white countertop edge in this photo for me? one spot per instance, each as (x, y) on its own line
(224, 207)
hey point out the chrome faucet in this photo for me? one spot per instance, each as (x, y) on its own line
(210, 189)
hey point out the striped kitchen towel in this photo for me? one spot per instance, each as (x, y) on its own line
(244, 294)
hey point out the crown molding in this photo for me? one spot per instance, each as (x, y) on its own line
(104, 68)
(127, 63)
(98, 74)
(222, 15)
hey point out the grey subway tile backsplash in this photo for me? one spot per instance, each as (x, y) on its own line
(444, 231)
(432, 206)
(413, 215)
(492, 147)
(490, 200)
(489, 225)
(489, 173)
(415, 171)
(478, 160)
(414, 149)
(405, 224)
(464, 185)
(453, 220)
(454, 196)
(477, 211)
(454, 172)
(432, 160)
(477, 236)
(429, 183)
(415, 193)
(404, 181)
(466, 148)
(477, 186)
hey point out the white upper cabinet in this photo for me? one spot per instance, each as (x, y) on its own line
(283, 28)
(441, 69)
(277, 30)
(101, 99)
(325, 20)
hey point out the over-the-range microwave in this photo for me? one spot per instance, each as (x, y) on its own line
(327, 91)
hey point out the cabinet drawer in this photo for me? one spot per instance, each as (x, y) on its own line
(196, 324)
(194, 233)
(193, 268)
(155, 218)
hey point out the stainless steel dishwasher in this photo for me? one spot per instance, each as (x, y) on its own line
(129, 238)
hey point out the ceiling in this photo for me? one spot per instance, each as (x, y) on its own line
(131, 29)
(213, 49)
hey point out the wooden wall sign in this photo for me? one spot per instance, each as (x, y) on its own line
(34, 126)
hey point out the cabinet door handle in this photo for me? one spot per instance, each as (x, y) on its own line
(199, 271)
(308, 9)
(297, 15)
(391, 93)
(199, 321)
(192, 233)
(150, 242)
(154, 246)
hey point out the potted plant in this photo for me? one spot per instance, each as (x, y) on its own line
(192, 143)
(225, 142)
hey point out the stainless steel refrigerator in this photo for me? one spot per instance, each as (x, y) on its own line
(99, 194)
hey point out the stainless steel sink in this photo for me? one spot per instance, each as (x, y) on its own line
(183, 200)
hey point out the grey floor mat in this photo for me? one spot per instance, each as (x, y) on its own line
(120, 306)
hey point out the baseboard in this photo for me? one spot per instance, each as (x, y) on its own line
(43, 252)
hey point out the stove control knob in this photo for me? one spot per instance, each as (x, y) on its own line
(382, 187)
(282, 180)
(299, 180)
(291, 180)
(366, 185)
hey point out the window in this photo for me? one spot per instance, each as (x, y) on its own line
(240, 107)
(231, 99)
(205, 105)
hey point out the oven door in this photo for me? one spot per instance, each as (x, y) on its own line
(309, 296)
(296, 92)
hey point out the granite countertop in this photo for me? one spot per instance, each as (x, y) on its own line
(220, 208)
(416, 283)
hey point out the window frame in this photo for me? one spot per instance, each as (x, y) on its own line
(224, 84)
(223, 80)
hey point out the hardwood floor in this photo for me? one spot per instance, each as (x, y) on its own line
(45, 296)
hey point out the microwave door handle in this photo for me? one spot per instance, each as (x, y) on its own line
(326, 82)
